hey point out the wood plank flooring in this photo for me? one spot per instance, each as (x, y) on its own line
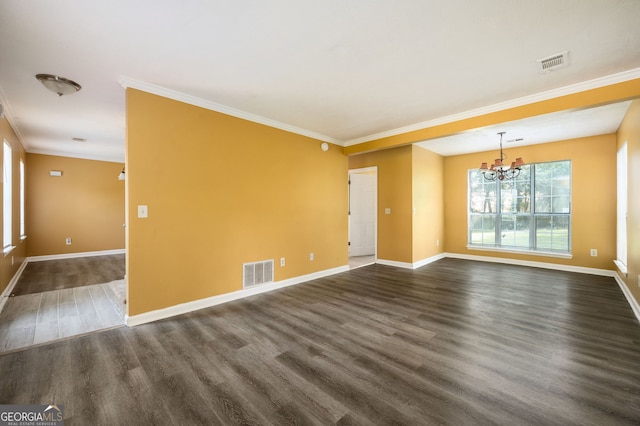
(37, 318)
(453, 343)
(60, 274)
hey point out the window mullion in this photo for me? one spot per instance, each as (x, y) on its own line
(533, 229)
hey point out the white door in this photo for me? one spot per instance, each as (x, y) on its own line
(363, 191)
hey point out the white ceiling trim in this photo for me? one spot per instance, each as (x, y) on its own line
(128, 82)
(76, 155)
(9, 116)
(543, 96)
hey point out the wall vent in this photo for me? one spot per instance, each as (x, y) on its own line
(559, 60)
(256, 273)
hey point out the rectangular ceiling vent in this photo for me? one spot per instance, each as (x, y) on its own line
(559, 60)
(256, 273)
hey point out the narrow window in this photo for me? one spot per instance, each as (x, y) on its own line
(22, 233)
(621, 240)
(6, 196)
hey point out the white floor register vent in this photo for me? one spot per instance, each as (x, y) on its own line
(256, 273)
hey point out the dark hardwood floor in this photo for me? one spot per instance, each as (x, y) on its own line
(453, 343)
(60, 274)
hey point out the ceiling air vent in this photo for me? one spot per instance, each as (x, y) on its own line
(559, 60)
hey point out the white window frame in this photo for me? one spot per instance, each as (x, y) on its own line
(510, 249)
(22, 200)
(7, 198)
(621, 211)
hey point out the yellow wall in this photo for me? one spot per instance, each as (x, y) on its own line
(629, 131)
(428, 216)
(86, 204)
(593, 198)
(394, 192)
(18, 254)
(222, 191)
(410, 184)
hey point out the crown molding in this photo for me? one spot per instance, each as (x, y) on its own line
(6, 108)
(525, 100)
(128, 82)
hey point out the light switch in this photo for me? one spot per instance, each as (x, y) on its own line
(143, 212)
(387, 210)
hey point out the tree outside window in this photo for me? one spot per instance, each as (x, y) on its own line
(531, 212)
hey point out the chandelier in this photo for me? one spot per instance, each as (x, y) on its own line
(499, 170)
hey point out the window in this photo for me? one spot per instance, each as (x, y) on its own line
(6, 197)
(22, 233)
(621, 240)
(531, 212)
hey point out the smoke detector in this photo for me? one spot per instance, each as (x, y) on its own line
(553, 62)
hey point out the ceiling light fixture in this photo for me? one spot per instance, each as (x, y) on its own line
(58, 85)
(121, 176)
(498, 170)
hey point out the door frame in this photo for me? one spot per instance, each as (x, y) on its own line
(375, 223)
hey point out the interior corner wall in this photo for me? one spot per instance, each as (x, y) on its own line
(222, 191)
(395, 193)
(629, 131)
(428, 204)
(10, 263)
(85, 204)
(593, 203)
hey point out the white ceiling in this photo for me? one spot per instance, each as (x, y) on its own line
(540, 129)
(342, 71)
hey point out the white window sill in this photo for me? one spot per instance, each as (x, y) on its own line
(621, 266)
(8, 250)
(527, 252)
(22, 238)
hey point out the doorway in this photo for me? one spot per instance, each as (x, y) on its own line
(363, 217)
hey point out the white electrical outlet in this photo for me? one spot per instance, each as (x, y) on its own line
(282, 262)
(311, 256)
(594, 252)
(387, 210)
(143, 212)
(68, 241)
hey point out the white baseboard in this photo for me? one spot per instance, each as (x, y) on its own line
(74, 255)
(635, 307)
(428, 260)
(534, 264)
(394, 263)
(7, 291)
(195, 305)
(414, 265)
